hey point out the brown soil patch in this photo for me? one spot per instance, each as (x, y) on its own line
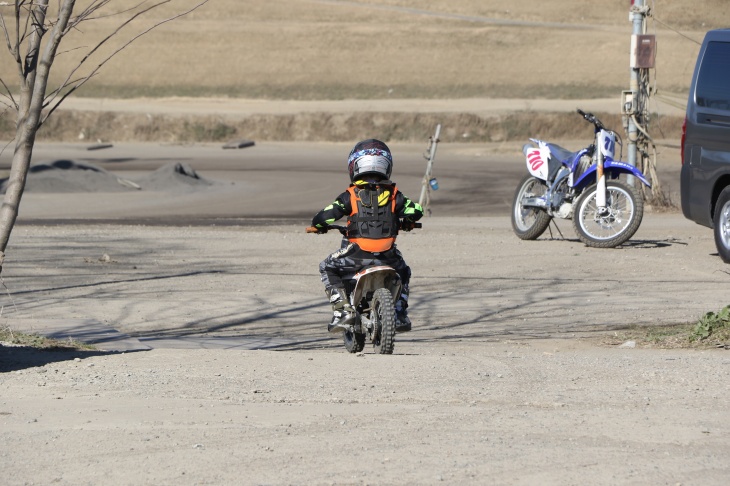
(70, 126)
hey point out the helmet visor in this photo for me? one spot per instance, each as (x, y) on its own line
(370, 161)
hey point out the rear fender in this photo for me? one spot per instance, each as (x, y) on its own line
(370, 279)
(537, 158)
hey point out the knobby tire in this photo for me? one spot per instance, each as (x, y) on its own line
(354, 341)
(622, 202)
(382, 311)
(529, 223)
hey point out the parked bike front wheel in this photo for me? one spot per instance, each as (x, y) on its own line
(382, 313)
(529, 223)
(614, 226)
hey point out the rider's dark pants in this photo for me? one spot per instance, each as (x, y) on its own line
(350, 259)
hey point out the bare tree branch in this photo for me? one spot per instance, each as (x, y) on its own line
(9, 94)
(5, 33)
(29, 69)
(89, 54)
(71, 50)
(50, 96)
(28, 29)
(122, 47)
(16, 51)
(87, 13)
(38, 30)
(118, 29)
(19, 39)
(130, 9)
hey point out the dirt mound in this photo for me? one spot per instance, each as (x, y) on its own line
(173, 176)
(68, 176)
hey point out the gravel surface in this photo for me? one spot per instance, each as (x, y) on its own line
(507, 378)
(504, 379)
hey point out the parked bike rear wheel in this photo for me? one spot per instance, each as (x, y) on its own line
(354, 341)
(529, 223)
(382, 313)
(624, 212)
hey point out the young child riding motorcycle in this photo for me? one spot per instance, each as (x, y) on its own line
(374, 208)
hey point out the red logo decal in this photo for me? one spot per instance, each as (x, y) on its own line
(534, 159)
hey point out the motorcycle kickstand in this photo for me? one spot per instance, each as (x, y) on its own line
(552, 222)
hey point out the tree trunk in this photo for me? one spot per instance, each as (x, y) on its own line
(33, 72)
(34, 80)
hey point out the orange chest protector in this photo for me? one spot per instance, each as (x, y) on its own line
(373, 222)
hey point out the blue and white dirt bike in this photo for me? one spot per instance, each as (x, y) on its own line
(583, 186)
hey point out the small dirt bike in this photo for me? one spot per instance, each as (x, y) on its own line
(373, 292)
(574, 185)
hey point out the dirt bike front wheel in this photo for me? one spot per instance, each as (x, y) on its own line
(529, 223)
(382, 313)
(616, 224)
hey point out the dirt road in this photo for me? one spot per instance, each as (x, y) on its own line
(504, 379)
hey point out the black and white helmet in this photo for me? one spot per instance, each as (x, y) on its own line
(370, 157)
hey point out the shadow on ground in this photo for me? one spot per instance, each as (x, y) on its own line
(14, 358)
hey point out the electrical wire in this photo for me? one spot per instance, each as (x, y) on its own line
(676, 31)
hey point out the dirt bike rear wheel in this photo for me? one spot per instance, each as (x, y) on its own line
(354, 341)
(382, 313)
(529, 223)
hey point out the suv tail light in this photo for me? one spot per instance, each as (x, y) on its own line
(684, 137)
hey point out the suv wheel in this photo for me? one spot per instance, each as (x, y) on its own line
(722, 225)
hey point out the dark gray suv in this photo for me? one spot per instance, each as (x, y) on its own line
(705, 179)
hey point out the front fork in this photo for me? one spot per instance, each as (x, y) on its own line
(605, 146)
(600, 184)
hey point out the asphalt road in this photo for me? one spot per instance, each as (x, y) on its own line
(285, 180)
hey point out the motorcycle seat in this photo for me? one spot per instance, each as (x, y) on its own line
(564, 155)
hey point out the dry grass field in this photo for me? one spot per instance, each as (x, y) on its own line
(333, 49)
(375, 50)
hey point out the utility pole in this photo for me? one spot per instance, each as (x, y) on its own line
(634, 103)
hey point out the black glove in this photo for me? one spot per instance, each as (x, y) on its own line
(407, 225)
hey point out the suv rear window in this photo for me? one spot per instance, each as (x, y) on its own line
(713, 81)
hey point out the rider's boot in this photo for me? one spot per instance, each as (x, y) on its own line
(402, 322)
(343, 313)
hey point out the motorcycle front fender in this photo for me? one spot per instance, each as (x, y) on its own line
(610, 168)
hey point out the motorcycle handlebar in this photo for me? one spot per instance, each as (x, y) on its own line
(592, 118)
(343, 229)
